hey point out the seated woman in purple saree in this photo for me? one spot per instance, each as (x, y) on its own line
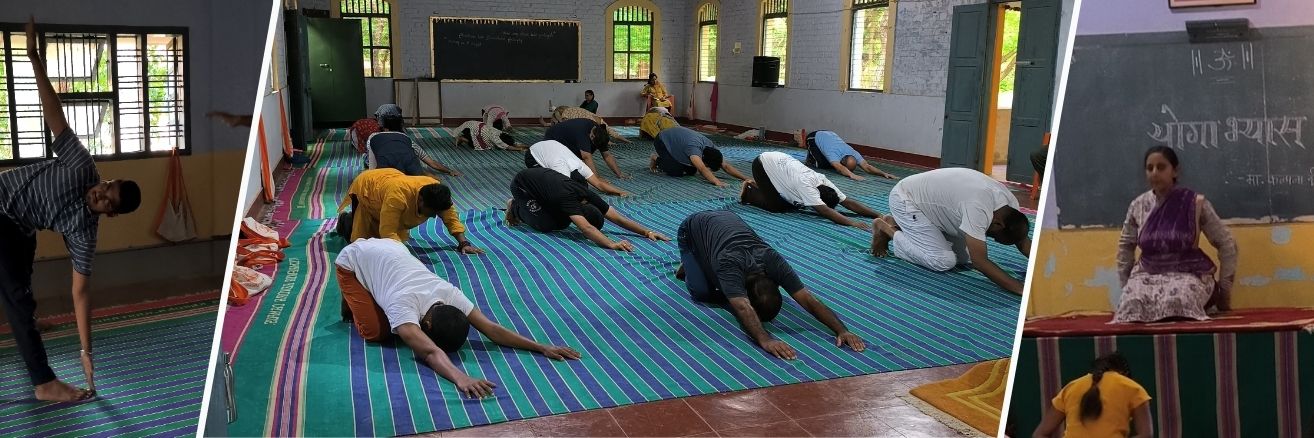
(1173, 278)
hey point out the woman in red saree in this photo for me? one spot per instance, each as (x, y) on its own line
(1173, 278)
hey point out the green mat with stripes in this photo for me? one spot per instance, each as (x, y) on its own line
(150, 376)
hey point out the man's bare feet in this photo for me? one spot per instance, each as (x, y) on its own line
(58, 391)
(543, 122)
(882, 232)
(511, 220)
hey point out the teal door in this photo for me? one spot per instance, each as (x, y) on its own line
(965, 91)
(1033, 95)
(337, 73)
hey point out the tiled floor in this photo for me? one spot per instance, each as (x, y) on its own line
(854, 406)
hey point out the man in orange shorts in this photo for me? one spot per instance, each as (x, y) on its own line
(386, 291)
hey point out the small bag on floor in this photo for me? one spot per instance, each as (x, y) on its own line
(247, 283)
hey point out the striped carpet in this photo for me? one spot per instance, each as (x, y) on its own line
(486, 174)
(150, 376)
(301, 371)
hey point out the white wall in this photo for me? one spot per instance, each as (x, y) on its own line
(616, 99)
(908, 118)
(268, 110)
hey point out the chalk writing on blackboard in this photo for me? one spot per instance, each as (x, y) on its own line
(1223, 59)
(1256, 179)
(1265, 131)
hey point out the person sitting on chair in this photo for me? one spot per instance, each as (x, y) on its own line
(781, 184)
(657, 95)
(548, 201)
(386, 291)
(724, 262)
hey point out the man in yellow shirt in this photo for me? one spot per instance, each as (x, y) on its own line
(387, 203)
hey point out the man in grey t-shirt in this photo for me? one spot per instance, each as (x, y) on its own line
(722, 261)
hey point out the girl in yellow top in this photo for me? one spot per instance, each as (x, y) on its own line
(656, 92)
(1100, 404)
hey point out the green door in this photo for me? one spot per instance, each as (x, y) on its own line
(337, 74)
(1033, 95)
(965, 90)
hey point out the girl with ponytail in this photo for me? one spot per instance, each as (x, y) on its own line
(1104, 403)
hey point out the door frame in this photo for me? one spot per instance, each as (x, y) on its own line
(991, 122)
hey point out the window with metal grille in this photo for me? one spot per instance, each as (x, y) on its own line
(775, 32)
(124, 91)
(632, 37)
(707, 31)
(869, 45)
(375, 18)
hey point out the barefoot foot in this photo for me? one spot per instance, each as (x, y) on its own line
(58, 391)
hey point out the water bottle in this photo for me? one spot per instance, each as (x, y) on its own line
(762, 134)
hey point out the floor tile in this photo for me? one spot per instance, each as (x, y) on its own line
(660, 418)
(822, 398)
(851, 424)
(783, 429)
(597, 422)
(735, 409)
(507, 429)
(912, 422)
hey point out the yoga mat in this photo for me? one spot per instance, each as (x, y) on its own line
(974, 398)
(303, 371)
(150, 376)
(487, 174)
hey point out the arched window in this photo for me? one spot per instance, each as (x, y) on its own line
(707, 37)
(632, 43)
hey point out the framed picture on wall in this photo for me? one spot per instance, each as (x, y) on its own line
(1198, 3)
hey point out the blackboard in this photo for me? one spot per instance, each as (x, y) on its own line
(488, 49)
(1237, 114)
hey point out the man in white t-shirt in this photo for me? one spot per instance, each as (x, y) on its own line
(386, 291)
(781, 184)
(941, 218)
(556, 156)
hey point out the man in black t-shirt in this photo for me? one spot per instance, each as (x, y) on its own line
(548, 201)
(584, 137)
(723, 261)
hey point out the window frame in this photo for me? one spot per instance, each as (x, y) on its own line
(762, 29)
(368, 17)
(698, 36)
(854, 7)
(112, 34)
(652, 37)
